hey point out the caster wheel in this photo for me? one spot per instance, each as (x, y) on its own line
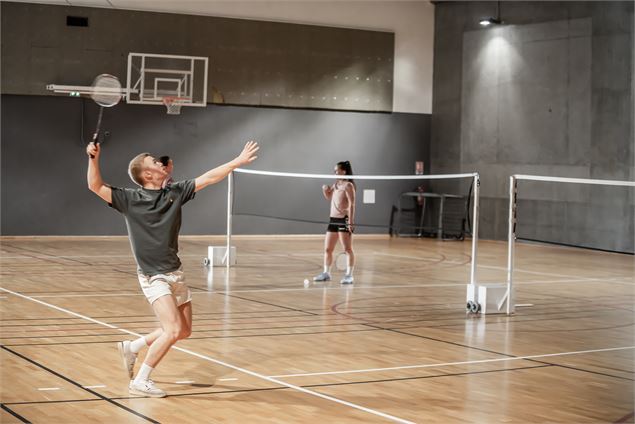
(206, 261)
(473, 307)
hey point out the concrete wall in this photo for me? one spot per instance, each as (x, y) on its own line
(548, 93)
(43, 164)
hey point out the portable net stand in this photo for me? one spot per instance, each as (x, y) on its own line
(505, 296)
(281, 182)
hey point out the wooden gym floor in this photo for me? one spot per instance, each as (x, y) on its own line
(396, 347)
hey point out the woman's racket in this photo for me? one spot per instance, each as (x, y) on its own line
(106, 93)
(341, 261)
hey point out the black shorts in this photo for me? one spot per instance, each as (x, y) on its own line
(338, 225)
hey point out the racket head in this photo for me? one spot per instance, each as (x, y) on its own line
(106, 90)
(341, 261)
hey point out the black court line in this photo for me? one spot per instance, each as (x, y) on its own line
(15, 414)
(395, 314)
(156, 321)
(149, 329)
(626, 418)
(334, 309)
(48, 255)
(458, 374)
(81, 292)
(201, 327)
(265, 303)
(136, 316)
(567, 330)
(522, 321)
(65, 259)
(74, 383)
(30, 256)
(387, 380)
(189, 338)
(499, 353)
(374, 328)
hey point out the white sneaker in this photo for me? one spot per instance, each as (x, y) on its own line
(325, 276)
(348, 279)
(145, 388)
(127, 357)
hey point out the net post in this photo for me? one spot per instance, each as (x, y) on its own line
(511, 239)
(476, 195)
(230, 196)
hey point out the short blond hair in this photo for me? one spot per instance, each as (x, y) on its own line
(135, 168)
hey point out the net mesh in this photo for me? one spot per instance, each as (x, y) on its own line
(276, 204)
(592, 216)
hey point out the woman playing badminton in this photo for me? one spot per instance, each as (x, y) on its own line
(342, 197)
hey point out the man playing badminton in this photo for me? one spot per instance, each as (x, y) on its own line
(153, 217)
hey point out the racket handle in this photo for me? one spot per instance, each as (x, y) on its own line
(94, 142)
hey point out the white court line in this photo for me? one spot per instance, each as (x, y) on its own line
(227, 379)
(87, 295)
(225, 364)
(520, 283)
(448, 364)
(184, 382)
(99, 386)
(80, 256)
(48, 389)
(550, 274)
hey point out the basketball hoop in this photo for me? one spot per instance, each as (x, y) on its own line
(173, 104)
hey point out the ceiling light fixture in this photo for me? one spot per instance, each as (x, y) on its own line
(493, 21)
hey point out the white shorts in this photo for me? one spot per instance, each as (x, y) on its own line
(170, 283)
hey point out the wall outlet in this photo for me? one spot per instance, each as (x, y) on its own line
(369, 196)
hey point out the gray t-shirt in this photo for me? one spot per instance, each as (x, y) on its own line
(153, 218)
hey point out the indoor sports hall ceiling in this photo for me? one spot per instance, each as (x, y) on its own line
(255, 9)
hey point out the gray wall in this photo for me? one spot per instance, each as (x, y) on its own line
(251, 62)
(43, 179)
(548, 93)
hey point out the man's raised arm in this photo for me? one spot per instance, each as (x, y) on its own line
(217, 174)
(95, 183)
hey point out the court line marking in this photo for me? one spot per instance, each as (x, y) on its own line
(184, 382)
(448, 364)
(45, 256)
(501, 268)
(587, 280)
(48, 389)
(227, 379)
(219, 362)
(98, 386)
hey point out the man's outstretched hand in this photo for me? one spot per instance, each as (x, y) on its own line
(248, 155)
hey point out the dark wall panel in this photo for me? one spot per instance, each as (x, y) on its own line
(251, 62)
(43, 165)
